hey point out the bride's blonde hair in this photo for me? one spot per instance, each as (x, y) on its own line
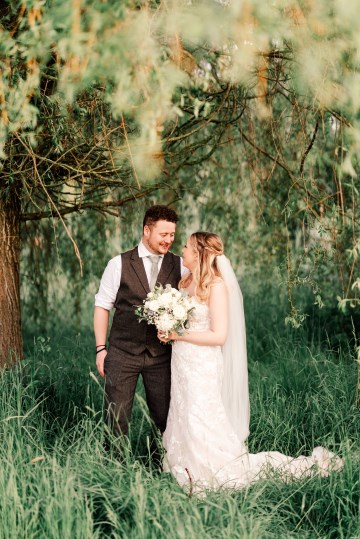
(208, 246)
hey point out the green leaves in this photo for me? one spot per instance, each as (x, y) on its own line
(141, 53)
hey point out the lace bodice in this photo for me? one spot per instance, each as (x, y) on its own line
(199, 318)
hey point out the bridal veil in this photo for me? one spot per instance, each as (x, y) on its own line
(235, 389)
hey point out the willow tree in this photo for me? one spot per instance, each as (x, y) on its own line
(103, 102)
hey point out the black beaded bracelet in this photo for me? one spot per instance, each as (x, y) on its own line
(101, 350)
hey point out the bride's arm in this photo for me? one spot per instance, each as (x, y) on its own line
(218, 310)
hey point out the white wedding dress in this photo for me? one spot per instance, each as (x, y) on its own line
(202, 448)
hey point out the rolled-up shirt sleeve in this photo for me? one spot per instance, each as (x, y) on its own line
(109, 284)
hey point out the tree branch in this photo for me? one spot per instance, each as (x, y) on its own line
(308, 149)
(101, 207)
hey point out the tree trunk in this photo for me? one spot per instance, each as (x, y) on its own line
(11, 345)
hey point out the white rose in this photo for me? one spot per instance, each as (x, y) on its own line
(187, 303)
(165, 299)
(153, 305)
(176, 293)
(174, 301)
(179, 312)
(165, 322)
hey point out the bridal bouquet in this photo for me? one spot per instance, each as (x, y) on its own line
(166, 308)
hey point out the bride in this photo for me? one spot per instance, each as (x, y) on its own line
(208, 421)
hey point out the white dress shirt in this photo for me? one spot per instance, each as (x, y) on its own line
(110, 281)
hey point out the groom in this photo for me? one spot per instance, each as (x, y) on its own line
(134, 348)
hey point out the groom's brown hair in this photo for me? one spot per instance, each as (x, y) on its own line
(159, 213)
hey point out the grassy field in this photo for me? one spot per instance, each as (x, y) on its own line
(56, 480)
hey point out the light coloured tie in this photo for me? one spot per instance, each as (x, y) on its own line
(154, 270)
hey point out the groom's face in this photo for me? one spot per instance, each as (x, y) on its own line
(159, 237)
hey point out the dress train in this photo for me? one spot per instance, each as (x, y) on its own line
(202, 448)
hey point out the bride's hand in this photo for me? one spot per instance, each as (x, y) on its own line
(170, 337)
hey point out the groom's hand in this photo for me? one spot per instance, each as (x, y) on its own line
(100, 358)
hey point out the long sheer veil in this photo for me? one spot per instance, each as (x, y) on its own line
(235, 390)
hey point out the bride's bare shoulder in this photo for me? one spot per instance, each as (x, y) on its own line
(218, 294)
(217, 281)
(217, 287)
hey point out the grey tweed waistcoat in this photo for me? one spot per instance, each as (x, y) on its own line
(126, 332)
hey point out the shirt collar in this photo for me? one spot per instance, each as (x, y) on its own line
(143, 251)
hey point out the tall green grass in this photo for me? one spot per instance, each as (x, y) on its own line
(56, 480)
